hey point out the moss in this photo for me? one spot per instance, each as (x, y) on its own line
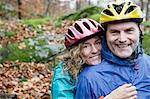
(19, 54)
(95, 17)
(35, 22)
(35, 50)
(10, 33)
(83, 13)
(147, 23)
(58, 23)
(146, 43)
(21, 80)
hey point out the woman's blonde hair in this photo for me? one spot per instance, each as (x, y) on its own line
(73, 60)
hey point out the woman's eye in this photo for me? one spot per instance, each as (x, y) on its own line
(85, 46)
(98, 42)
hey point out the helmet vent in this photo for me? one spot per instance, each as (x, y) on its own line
(77, 27)
(99, 28)
(66, 39)
(108, 6)
(70, 33)
(92, 22)
(129, 3)
(86, 25)
(118, 8)
(108, 12)
(130, 9)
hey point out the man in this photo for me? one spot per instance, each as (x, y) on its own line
(123, 58)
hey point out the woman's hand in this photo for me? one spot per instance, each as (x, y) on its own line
(126, 91)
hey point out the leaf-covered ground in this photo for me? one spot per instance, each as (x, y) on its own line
(27, 80)
(23, 31)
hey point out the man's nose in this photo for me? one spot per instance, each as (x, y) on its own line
(122, 37)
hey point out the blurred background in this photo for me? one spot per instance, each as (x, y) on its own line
(24, 9)
(32, 36)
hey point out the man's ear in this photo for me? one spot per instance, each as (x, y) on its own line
(141, 28)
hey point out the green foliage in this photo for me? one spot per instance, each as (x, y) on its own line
(82, 13)
(1, 7)
(147, 23)
(10, 33)
(58, 23)
(35, 50)
(37, 29)
(3, 53)
(23, 80)
(17, 54)
(95, 17)
(35, 22)
(2, 26)
(146, 43)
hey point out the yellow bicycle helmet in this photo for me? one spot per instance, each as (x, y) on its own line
(118, 11)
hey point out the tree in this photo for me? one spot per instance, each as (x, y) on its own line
(19, 8)
(147, 8)
(78, 4)
(48, 5)
(142, 4)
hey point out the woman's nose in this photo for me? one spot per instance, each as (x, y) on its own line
(94, 49)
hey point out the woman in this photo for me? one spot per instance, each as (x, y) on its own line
(83, 42)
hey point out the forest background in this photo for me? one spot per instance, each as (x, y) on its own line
(32, 35)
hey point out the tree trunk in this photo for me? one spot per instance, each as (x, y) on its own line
(147, 10)
(48, 5)
(19, 9)
(89, 2)
(78, 4)
(142, 5)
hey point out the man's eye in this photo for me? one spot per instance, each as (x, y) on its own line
(129, 30)
(114, 32)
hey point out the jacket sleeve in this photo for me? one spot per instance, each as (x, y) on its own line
(62, 86)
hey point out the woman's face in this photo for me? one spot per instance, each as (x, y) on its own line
(91, 51)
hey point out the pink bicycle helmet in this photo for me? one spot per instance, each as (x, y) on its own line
(82, 29)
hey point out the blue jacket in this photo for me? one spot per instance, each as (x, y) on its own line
(100, 80)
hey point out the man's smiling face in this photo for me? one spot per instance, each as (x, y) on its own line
(122, 38)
